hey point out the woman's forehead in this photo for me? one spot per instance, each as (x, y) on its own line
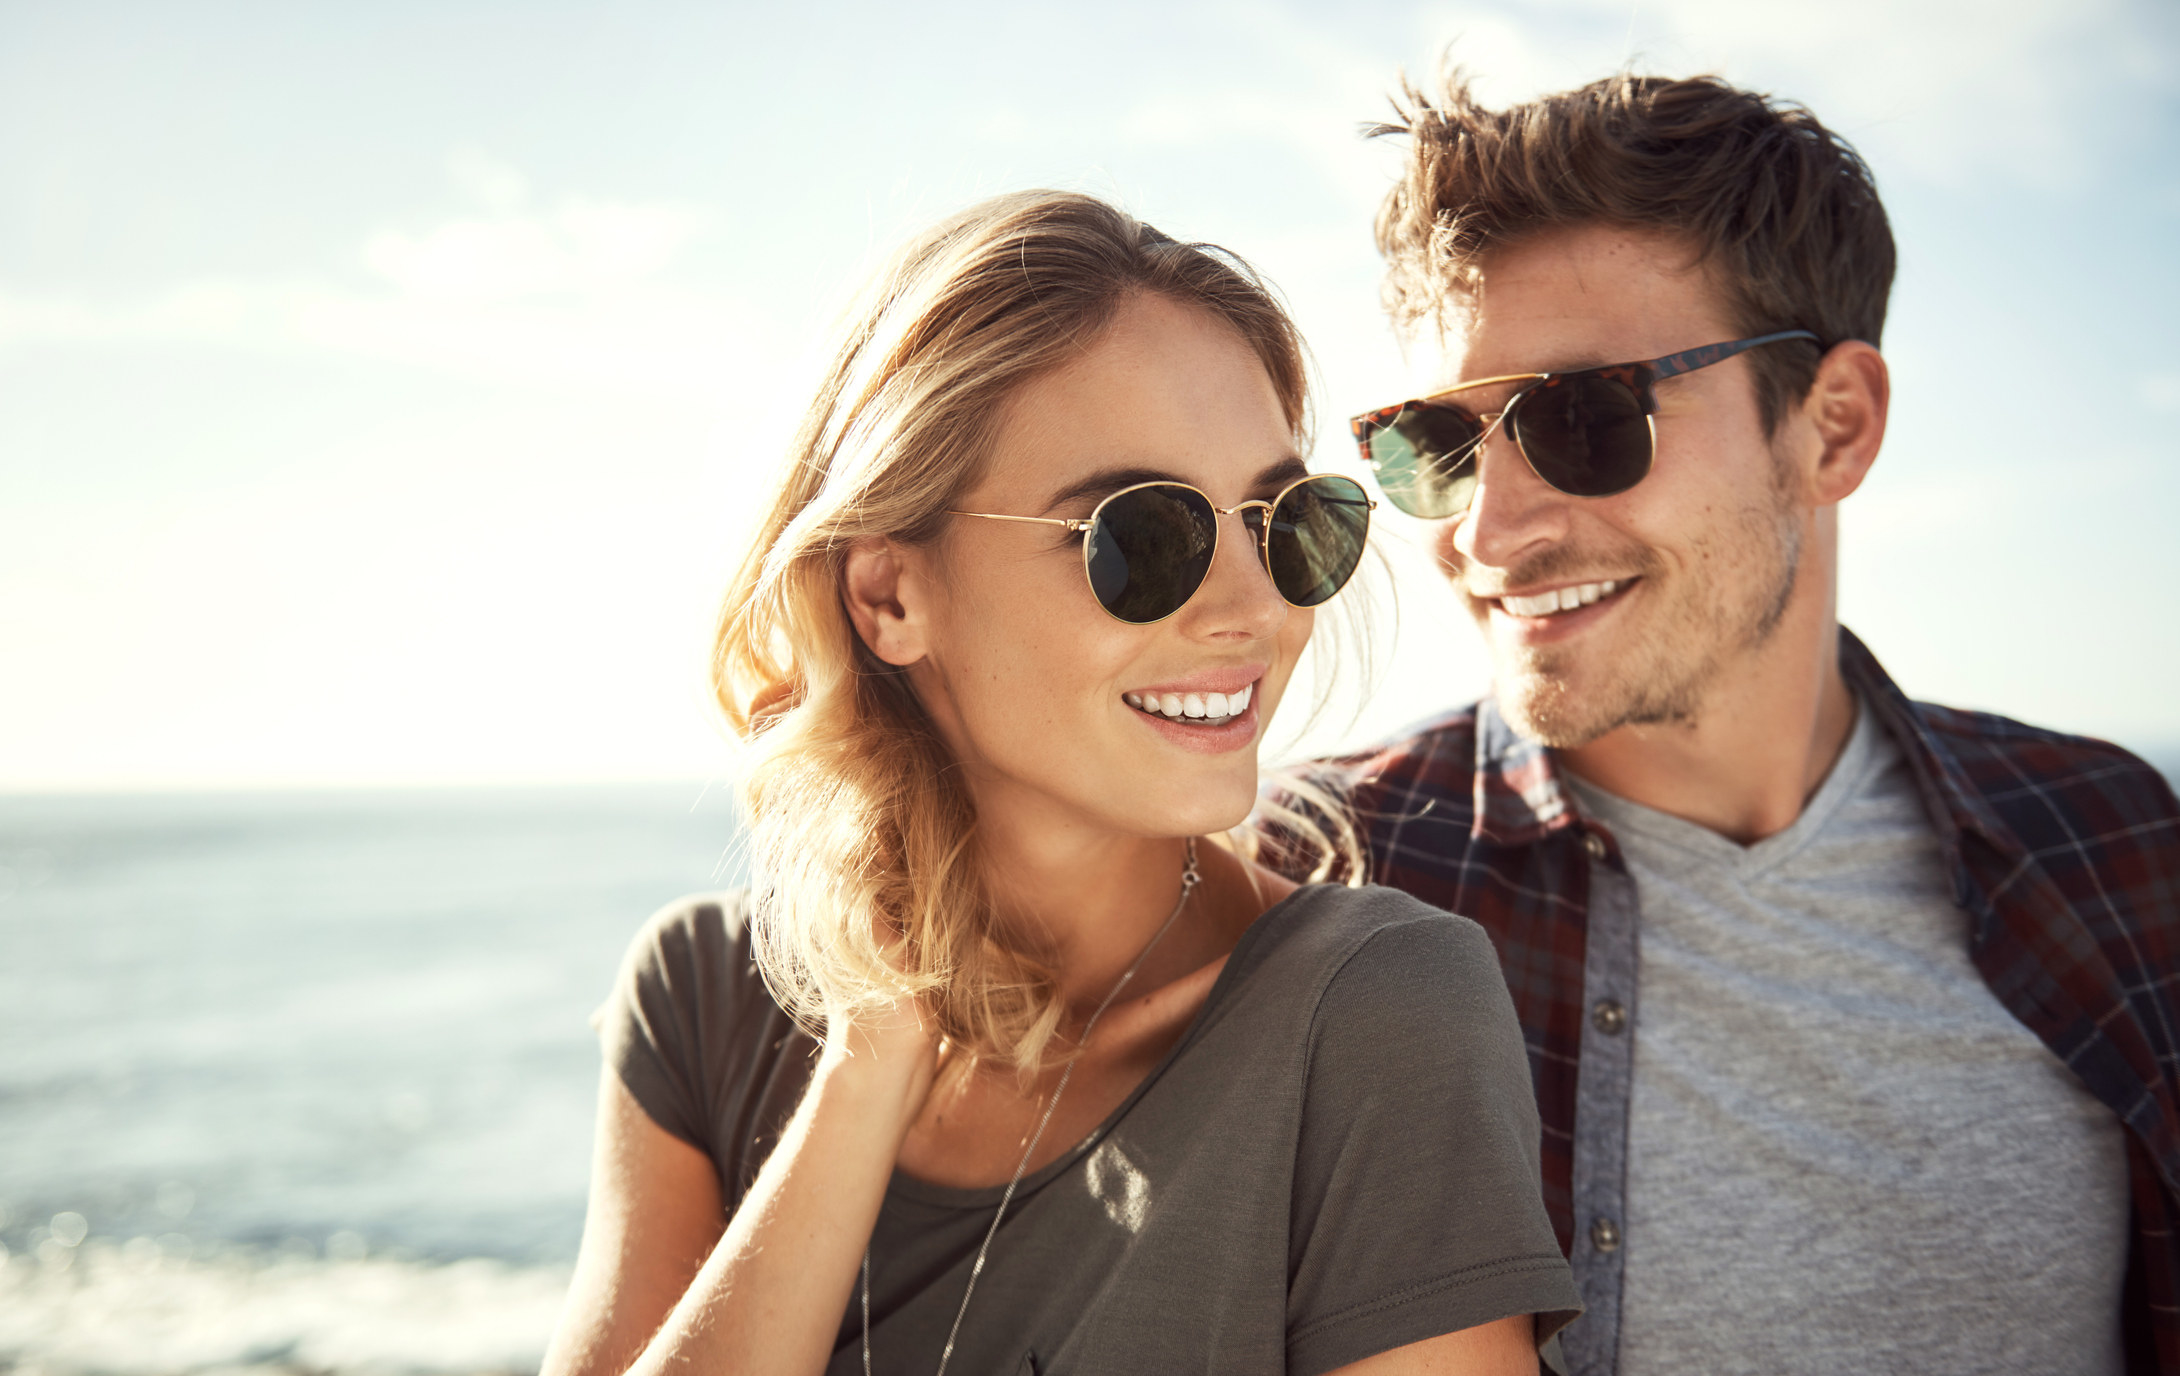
(1166, 389)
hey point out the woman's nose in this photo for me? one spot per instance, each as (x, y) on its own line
(1237, 598)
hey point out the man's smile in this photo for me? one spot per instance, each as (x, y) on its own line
(1549, 603)
(1566, 598)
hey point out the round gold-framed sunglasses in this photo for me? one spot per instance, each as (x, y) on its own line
(1147, 548)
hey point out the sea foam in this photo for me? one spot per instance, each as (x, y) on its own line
(117, 1312)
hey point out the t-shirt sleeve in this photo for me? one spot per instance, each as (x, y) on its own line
(698, 1040)
(1418, 1209)
(652, 1027)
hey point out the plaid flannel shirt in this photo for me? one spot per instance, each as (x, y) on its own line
(2064, 852)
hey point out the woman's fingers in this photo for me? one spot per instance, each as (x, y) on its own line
(896, 1043)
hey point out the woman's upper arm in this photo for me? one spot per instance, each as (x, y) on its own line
(655, 1213)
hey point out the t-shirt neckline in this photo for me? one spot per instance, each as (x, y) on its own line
(910, 1188)
(1868, 751)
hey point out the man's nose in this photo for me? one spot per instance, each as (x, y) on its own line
(1510, 512)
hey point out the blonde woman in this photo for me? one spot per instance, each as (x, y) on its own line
(1000, 1067)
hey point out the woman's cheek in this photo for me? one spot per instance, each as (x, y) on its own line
(1293, 639)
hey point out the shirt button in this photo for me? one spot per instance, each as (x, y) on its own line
(1594, 844)
(1605, 1235)
(1609, 1017)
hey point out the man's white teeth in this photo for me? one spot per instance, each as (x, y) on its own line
(1205, 707)
(1559, 599)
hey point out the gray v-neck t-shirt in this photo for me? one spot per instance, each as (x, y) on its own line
(1844, 1154)
(1338, 1158)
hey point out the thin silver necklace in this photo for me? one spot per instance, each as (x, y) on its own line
(1189, 879)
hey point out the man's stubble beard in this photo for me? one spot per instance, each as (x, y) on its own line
(1564, 698)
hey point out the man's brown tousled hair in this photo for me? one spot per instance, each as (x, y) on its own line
(1779, 207)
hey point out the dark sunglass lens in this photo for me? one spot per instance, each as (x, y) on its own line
(1149, 550)
(1425, 460)
(1586, 436)
(1316, 539)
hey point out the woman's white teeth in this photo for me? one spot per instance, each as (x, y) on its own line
(1559, 599)
(1210, 708)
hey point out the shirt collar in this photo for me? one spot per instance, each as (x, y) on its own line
(1521, 798)
(1956, 806)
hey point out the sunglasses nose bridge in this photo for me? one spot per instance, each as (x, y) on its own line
(1256, 518)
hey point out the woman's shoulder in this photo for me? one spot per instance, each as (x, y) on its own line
(694, 959)
(690, 1026)
(698, 932)
(1364, 934)
(1366, 962)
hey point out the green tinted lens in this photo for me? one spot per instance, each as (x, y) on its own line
(1149, 549)
(1316, 538)
(1425, 459)
(1586, 436)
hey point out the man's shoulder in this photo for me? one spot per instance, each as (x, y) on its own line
(1437, 754)
(2040, 780)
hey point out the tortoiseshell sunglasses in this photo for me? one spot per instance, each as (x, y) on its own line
(1588, 433)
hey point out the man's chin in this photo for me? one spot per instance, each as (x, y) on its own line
(1563, 711)
(1549, 715)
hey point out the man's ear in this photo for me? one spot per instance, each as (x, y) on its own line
(1846, 406)
(885, 591)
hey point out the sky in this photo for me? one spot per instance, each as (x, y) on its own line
(384, 388)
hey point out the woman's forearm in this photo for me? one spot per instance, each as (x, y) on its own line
(770, 1297)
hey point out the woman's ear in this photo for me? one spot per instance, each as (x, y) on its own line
(886, 594)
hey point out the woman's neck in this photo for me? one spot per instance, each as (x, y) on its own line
(1090, 901)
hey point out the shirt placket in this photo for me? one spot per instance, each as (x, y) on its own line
(1605, 1084)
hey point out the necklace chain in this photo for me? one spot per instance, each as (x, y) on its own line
(1190, 877)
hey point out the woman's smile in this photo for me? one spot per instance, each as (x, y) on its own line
(1211, 712)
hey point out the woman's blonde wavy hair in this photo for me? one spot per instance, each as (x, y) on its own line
(862, 833)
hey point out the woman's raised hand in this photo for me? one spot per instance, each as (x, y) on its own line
(768, 1295)
(893, 1047)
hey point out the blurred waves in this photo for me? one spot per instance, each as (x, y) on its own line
(304, 1081)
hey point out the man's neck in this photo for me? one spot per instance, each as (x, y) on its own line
(1762, 744)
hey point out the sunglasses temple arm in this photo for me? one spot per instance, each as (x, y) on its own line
(1688, 360)
(1026, 520)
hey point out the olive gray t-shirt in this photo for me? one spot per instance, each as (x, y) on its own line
(1338, 1158)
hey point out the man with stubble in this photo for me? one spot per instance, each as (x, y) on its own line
(1851, 1017)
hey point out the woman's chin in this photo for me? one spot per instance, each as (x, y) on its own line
(1200, 807)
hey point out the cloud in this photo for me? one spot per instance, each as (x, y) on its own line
(491, 183)
(580, 295)
(584, 248)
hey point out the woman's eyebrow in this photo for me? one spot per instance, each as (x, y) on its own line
(1106, 481)
(1278, 475)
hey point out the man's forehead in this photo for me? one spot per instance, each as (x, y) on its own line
(1571, 298)
(1463, 346)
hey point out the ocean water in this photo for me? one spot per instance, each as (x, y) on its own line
(304, 1082)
